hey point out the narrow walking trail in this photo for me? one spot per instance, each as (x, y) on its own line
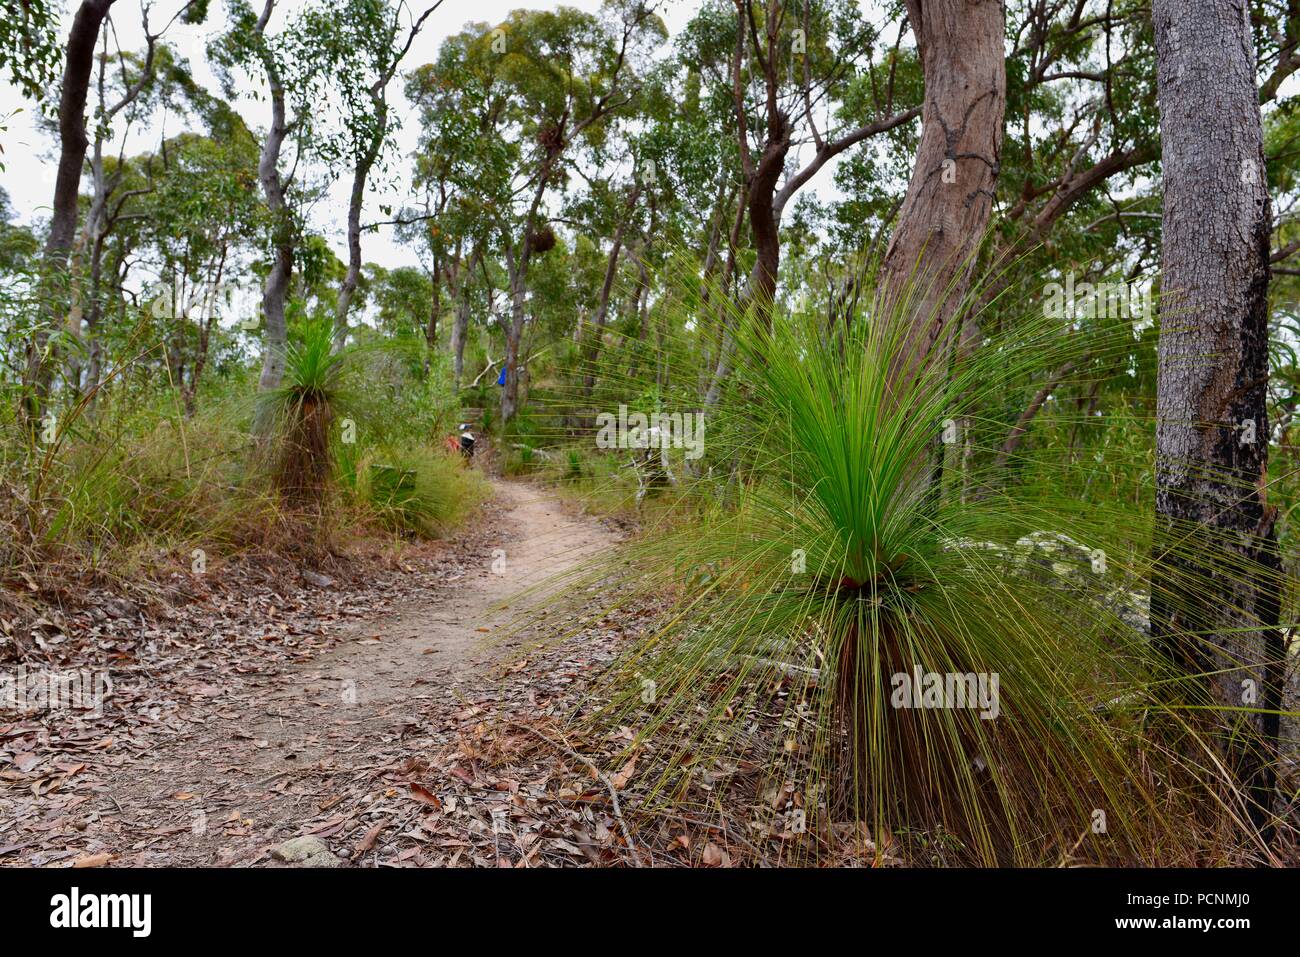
(307, 752)
(439, 639)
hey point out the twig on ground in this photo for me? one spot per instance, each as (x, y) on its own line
(601, 776)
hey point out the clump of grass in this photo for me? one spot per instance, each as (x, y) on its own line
(573, 468)
(137, 477)
(132, 483)
(520, 461)
(420, 490)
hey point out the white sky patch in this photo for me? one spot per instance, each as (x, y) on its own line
(30, 153)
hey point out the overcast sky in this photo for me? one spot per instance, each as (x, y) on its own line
(29, 153)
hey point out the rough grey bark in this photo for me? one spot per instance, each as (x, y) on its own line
(276, 289)
(950, 195)
(78, 63)
(1215, 586)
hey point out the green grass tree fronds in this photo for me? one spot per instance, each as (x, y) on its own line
(914, 628)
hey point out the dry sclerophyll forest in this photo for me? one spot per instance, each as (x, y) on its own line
(712, 433)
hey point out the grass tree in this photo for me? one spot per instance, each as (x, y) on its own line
(303, 409)
(968, 673)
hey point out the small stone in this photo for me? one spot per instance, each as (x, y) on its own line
(305, 851)
(317, 579)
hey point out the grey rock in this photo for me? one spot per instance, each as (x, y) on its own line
(306, 851)
(317, 579)
(1057, 561)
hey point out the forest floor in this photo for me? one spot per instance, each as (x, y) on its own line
(390, 709)
(358, 720)
(398, 707)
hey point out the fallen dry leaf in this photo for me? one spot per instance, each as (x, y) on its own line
(624, 774)
(24, 761)
(715, 856)
(368, 841)
(425, 796)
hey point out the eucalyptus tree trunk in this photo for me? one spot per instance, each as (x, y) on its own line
(950, 195)
(517, 269)
(1216, 579)
(458, 331)
(276, 290)
(460, 327)
(435, 308)
(73, 142)
(591, 349)
(355, 199)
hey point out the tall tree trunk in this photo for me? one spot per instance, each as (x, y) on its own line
(517, 267)
(378, 93)
(435, 308)
(711, 383)
(276, 290)
(591, 351)
(204, 322)
(641, 302)
(353, 276)
(519, 255)
(762, 199)
(95, 364)
(764, 221)
(97, 224)
(1216, 579)
(950, 195)
(460, 327)
(518, 272)
(760, 188)
(94, 238)
(63, 220)
(458, 330)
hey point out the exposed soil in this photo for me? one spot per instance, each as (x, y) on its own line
(338, 716)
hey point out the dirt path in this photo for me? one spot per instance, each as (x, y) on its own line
(297, 750)
(433, 645)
